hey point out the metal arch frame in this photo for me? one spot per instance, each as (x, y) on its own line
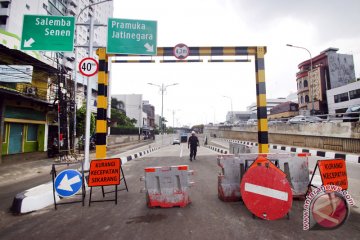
(257, 51)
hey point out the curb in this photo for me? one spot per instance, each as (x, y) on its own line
(41, 196)
(125, 159)
(216, 149)
(353, 158)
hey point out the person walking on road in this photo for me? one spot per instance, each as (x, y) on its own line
(193, 143)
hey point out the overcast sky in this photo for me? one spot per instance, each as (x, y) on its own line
(316, 25)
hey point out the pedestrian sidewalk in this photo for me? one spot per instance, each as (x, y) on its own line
(22, 170)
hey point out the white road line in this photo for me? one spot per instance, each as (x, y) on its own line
(269, 192)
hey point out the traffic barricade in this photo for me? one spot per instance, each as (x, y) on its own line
(167, 186)
(294, 165)
(238, 148)
(232, 168)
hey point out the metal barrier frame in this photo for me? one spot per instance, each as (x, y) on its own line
(257, 51)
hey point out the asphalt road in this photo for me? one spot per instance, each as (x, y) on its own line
(205, 218)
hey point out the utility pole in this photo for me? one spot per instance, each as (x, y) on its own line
(162, 90)
(90, 46)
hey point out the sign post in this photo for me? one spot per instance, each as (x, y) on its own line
(48, 33)
(127, 36)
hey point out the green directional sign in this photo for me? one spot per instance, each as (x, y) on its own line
(48, 33)
(128, 36)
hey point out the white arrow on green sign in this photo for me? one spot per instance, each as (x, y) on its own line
(48, 33)
(127, 36)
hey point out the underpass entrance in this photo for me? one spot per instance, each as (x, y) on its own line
(257, 51)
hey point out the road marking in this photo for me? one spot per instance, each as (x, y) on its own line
(269, 192)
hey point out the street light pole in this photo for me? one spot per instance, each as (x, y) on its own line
(231, 105)
(310, 79)
(162, 89)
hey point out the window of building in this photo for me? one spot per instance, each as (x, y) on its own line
(27, 7)
(300, 84)
(305, 83)
(354, 94)
(343, 97)
(301, 100)
(4, 4)
(32, 132)
(306, 98)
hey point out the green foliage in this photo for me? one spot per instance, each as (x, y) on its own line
(124, 130)
(81, 121)
(120, 119)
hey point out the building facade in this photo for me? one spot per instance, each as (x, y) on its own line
(329, 70)
(133, 105)
(270, 103)
(238, 116)
(11, 13)
(340, 98)
(30, 115)
(150, 111)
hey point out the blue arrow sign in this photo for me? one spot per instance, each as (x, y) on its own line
(68, 183)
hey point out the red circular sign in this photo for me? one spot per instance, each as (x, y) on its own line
(88, 67)
(181, 51)
(266, 192)
(330, 210)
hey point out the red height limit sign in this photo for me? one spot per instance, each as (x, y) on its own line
(88, 67)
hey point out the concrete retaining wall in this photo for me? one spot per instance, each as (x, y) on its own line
(341, 137)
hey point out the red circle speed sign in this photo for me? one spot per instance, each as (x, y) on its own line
(181, 51)
(88, 67)
(266, 192)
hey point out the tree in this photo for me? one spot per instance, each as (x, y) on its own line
(118, 105)
(118, 118)
(80, 122)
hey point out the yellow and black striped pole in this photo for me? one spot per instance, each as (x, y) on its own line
(101, 118)
(261, 100)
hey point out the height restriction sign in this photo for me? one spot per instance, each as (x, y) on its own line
(88, 67)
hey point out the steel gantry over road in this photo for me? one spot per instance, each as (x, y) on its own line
(257, 51)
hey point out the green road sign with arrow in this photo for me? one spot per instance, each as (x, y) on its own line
(48, 33)
(127, 36)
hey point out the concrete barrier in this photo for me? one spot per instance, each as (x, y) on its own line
(295, 166)
(167, 186)
(41, 196)
(34, 199)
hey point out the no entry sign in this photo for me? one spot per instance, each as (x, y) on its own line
(266, 192)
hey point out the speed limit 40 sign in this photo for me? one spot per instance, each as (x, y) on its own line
(88, 67)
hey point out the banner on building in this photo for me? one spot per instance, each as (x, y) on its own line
(315, 84)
